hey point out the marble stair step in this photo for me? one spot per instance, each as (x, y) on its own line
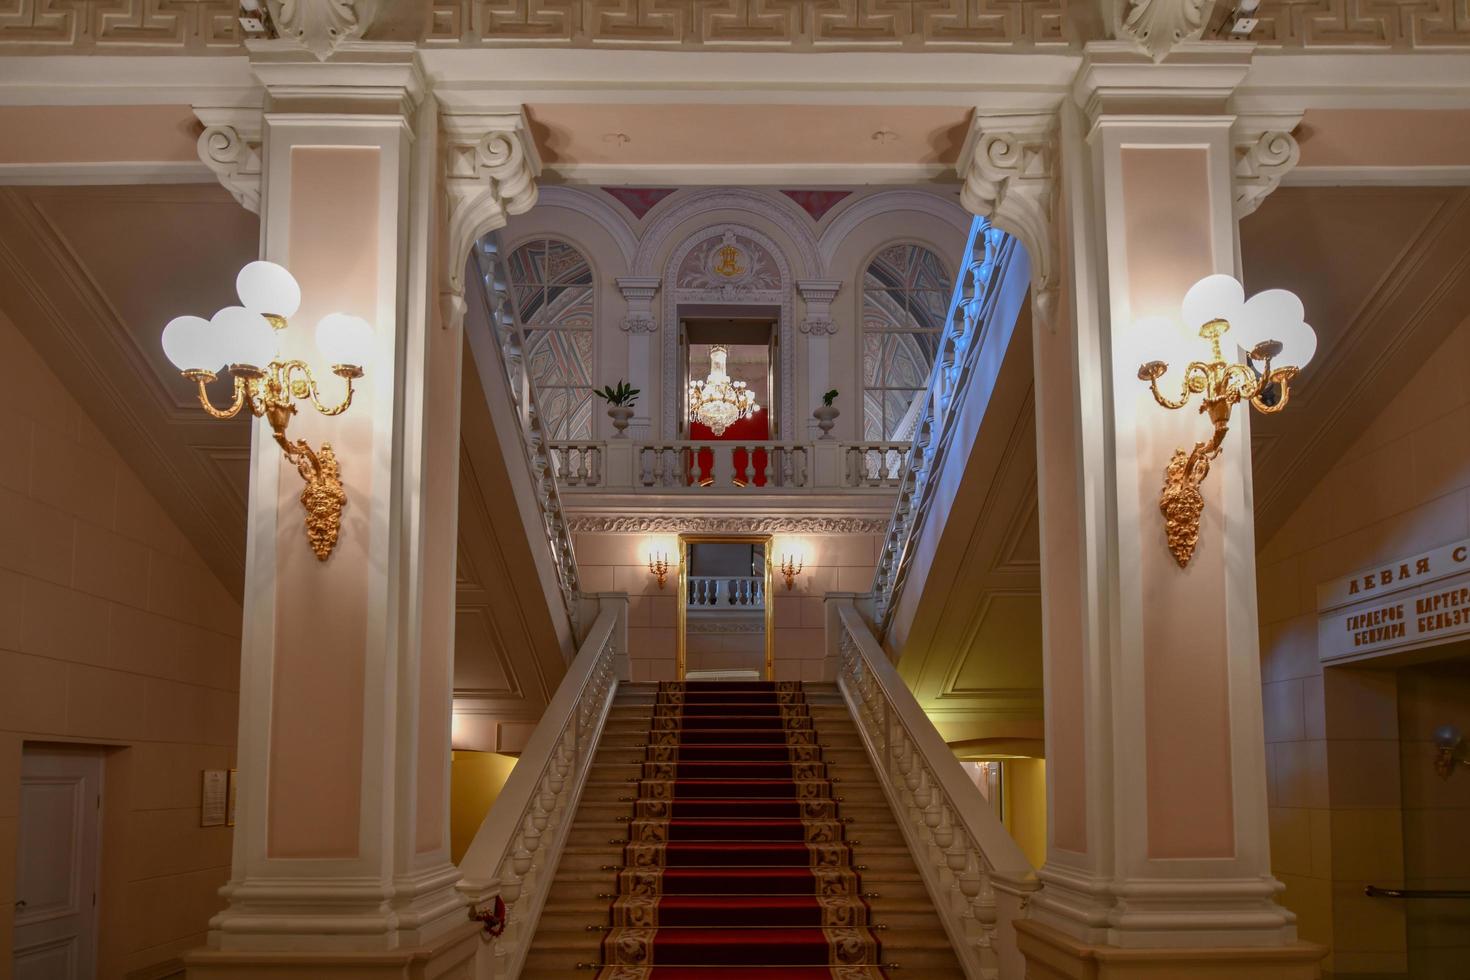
(919, 953)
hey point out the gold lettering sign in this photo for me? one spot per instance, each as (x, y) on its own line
(1417, 601)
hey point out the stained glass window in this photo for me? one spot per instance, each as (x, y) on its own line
(551, 286)
(906, 293)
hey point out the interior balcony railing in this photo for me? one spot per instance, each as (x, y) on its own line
(976, 874)
(990, 253)
(727, 593)
(694, 466)
(515, 852)
(503, 347)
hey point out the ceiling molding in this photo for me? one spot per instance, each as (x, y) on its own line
(1451, 176)
(109, 172)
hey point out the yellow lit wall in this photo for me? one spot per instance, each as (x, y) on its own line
(1025, 805)
(475, 780)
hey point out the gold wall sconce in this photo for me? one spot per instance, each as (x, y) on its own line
(1449, 748)
(1271, 329)
(793, 560)
(658, 566)
(244, 340)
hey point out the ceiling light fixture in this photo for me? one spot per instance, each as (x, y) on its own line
(1270, 327)
(244, 339)
(719, 401)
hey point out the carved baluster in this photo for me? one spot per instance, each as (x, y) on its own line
(583, 468)
(764, 473)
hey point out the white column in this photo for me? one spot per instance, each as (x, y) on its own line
(1157, 834)
(818, 326)
(341, 847)
(641, 326)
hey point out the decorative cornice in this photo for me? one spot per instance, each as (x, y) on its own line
(490, 171)
(1265, 151)
(818, 295)
(639, 291)
(592, 523)
(1158, 26)
(231, 147)
(1009, 169)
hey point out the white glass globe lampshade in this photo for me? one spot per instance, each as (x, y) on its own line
(186, 342)
(243, 337)
(345, 339)
(265, 287)
(1217, 297)
(1277, 314)
(1298, 346)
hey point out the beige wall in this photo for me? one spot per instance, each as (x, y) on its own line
(112, 633)
(475, 782)
(1436, 814)
(844, 563)
(1333, 735)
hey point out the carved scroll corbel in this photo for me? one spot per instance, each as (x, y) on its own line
(1265, 151)
(490, 170)
(231, 147)
(1009, 171)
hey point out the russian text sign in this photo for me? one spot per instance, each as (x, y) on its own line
(1416, 601)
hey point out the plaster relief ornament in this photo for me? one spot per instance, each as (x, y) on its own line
(321, 25)
(1158, 26)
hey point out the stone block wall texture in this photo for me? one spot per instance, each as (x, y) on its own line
(114, 634)
(1342, 769)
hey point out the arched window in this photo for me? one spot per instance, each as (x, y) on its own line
(906, 294)
(551, 286)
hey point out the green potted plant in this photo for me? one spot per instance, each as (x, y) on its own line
(620, 401)
(826, 414)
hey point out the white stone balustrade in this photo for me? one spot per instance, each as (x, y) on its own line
(989, 250)
(977, 876)
(727, 592)
(543, 459)
(768, 466)
(516, 850)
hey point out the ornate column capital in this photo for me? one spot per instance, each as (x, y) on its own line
(818, 295)
(231, 146)
(490, 170)
(639, 291)
(1009, 169)
(1265, 150)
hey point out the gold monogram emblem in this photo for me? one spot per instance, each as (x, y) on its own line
(729, 264)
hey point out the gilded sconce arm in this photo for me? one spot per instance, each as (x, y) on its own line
(203, 378)
(348, 374)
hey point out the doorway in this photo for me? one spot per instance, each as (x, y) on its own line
(57, 863)
(724, 617)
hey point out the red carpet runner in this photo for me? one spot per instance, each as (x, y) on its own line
(737, 863)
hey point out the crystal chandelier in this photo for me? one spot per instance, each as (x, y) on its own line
(718, 401)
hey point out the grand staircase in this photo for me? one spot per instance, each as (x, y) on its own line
(732, 830)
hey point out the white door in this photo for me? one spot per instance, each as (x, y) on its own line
(56, 870)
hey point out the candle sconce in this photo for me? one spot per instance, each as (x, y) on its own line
(1270, 327)
(244, 339)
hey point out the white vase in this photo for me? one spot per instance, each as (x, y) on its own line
(826, 416)
(621, 415)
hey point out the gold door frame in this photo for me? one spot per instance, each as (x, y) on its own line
(685, 540)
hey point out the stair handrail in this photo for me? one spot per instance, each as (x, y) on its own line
(514, 854)
(976, 874)
(988, 252)
(510, 343)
